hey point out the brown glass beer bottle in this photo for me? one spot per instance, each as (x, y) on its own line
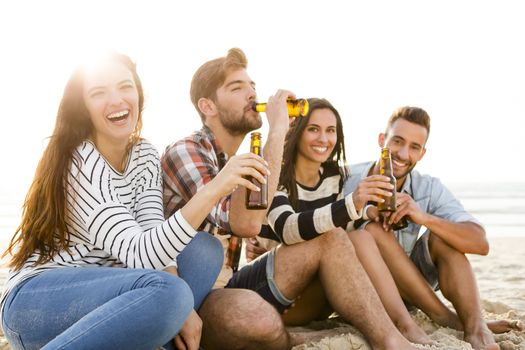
(254, 199)
(233, 254)
(389, 205)
(296, 108)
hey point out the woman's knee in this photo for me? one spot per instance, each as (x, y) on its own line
(381, 237)
(205, 249)
(212, 246)
(175, 298)
(200, 263)
(362, 237)
(169, 289)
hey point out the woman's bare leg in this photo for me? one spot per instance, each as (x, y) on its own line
(377, 270)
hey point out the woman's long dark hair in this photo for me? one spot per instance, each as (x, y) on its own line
(43, 225)
(336, 159)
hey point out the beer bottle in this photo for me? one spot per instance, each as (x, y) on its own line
(385, 169)
(233, 254)
(400, 224)
(296, 108)
(389, 205)
(256, 200)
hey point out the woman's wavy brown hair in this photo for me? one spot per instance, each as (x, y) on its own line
(43, 225)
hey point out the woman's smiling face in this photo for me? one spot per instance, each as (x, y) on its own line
(112, 100)
(319, 137)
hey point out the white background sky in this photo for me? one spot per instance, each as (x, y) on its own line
(462, 61)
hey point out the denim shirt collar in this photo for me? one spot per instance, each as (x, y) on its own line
(407, 186)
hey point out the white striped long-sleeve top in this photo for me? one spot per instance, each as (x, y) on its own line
(115, 219)
(320, 209)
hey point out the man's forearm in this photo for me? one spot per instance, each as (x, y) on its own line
(247, 223)
(273, 154)
(466, 237)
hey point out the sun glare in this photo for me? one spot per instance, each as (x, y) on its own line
(366, 60)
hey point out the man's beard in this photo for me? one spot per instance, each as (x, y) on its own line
(237, 124)
(405, 172)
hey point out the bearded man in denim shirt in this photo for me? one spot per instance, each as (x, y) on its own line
(434, 259)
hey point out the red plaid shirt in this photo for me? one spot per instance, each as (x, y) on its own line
(188, 165)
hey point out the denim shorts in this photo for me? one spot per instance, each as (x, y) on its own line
(420, 256)
(259, 277)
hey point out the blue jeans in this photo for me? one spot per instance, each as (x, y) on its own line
(111, 308)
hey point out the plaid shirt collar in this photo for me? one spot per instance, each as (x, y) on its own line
(221, 156)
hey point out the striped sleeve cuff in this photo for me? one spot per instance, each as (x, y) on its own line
(172, 263)
(350, 207)
(183, 224)
(365, 212)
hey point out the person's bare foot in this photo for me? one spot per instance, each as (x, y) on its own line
(396, 343)
(451, 320)
(503, 326)
(416, 335)
(481, 339)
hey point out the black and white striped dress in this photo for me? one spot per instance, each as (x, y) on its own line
(115, 219)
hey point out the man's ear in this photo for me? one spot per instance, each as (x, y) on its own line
(207, 106)
(381, 140)
(423, 151)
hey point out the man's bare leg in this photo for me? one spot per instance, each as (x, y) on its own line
(241, 319)
(332, 257)
(411, 284)
(415, 289)
(375, 267)
(457, 283)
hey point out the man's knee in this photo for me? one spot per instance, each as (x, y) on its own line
(337, 239)
(242, 315)
(266, 323)
(440, 250)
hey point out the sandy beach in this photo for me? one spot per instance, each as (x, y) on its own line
(501, 280)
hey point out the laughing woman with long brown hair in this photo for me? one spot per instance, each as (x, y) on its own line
(87, 255)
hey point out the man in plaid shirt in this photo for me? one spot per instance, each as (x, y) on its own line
(235, 317)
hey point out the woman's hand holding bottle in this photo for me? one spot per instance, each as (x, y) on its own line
(236, 171)
(371, 189)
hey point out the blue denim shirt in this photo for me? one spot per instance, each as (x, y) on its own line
(427, 191)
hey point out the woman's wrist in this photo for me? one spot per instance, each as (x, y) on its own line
(365, 212)
(212, 191)
(351, 208)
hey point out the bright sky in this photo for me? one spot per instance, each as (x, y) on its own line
(462, 61)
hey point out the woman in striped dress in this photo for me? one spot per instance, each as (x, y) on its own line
(88, 255)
